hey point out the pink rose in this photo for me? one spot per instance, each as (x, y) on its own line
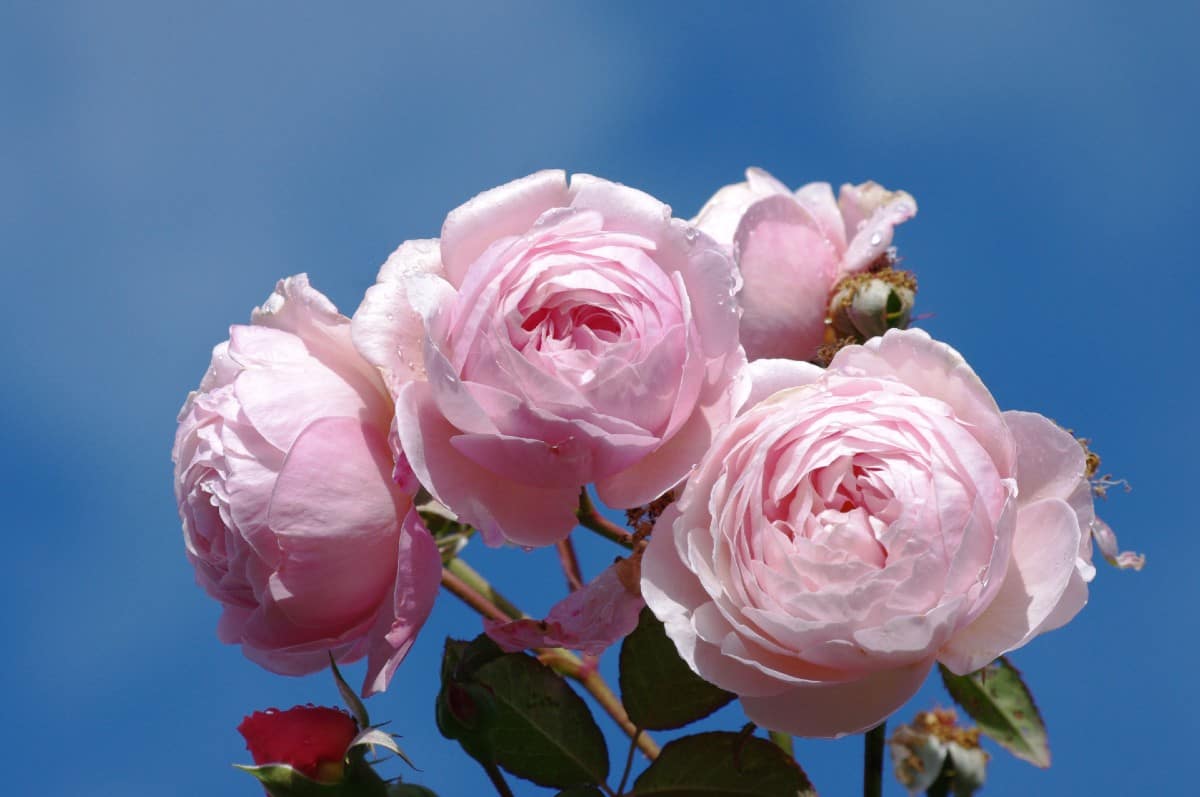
(792, 248)
(290, 515)
(558, 334)
(855, 525)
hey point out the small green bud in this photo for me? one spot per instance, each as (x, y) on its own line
(869, 304)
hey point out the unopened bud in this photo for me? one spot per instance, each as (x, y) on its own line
(869, 304)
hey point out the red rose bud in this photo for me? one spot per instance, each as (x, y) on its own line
(311, 739)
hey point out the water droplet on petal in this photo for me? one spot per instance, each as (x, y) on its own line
(876, 239)
(691, 234)
(391, 317)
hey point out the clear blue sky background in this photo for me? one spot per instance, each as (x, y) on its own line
(162, 164)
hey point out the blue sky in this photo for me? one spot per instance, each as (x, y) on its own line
(162, 164)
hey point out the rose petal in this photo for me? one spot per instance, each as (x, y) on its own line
(1044, 549)
(589, 619)
(1050, 462)
(828, 711)
(510, 209)
(788, 267)
(387, 329)
(500, 509)
(418, 579)
(335, 513)
(769, 376)
(933, 368)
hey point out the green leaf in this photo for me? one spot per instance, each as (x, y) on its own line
(581, 791)
(541, 730)
(723, 764)
(658, 688)
(509, 709)
(999, 701)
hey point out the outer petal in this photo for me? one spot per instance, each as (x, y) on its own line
(817, 199)
(1045, 546)
(300, 309)
(499, 508)
(418, 579)
(788, 267)
(510, 209)
(646, 480)
(722, 213)
(837, 709)
(875, 236)
(624, 209)
(1050, 462)
(770, 376)
(387, 329)
(336, 515)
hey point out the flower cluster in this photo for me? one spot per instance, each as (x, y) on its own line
(852, 506)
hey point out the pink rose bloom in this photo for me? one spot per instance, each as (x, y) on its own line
(557, 335)
(589, 619)
(290, 515)
(856, 525)
(792, 248)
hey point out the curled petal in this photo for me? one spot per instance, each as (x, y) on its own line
(418, 579)
(1106, 540)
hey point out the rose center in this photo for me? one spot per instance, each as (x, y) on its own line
(563, 324)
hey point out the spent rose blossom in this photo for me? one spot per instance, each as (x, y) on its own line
(290, 515)
(312, 740)
(558, 334)
(590, 619)
(855, 525)
(793, 247)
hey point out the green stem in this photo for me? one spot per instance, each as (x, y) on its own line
(571, 666)
(469, 576)
(461, 590)
(873, 760)
(784, 742)
(464, 582)
(497, 778)
(590, 518)
(628, 765)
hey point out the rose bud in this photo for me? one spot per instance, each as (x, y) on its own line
(291, 517)
(855, 525)
(313, 740)
(866, 305)
(792, 248)
(559, 334)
